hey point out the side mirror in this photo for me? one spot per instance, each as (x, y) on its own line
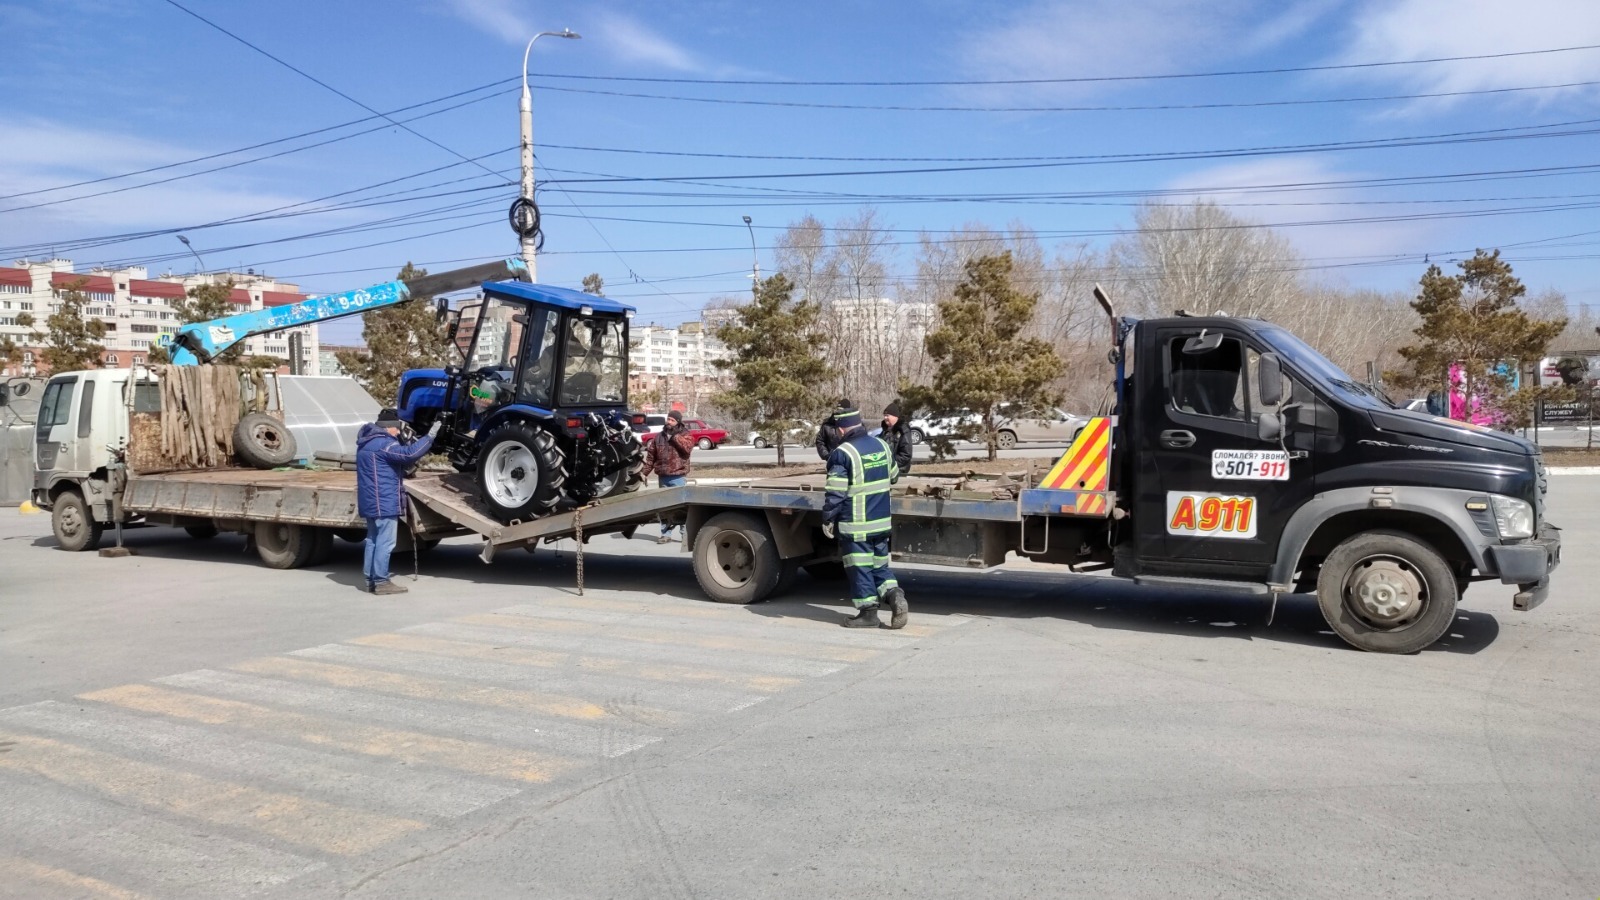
(1269, 427)
(1269, 377)
(1203, 343)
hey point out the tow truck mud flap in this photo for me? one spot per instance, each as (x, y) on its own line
(945, 542)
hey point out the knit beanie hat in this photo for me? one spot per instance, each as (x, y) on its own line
(893, 409)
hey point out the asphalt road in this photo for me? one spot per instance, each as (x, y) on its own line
(186, 723)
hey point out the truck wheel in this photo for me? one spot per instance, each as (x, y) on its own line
(261, 441)
(285, 546)
(833, 570)
(735, 560)
(1387, 592)
(1007, 440)
(201, 532)
(520, 472)
(74, 526)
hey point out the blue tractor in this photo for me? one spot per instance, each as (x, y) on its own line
(538, 407)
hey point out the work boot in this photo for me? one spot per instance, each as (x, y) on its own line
(865, 617)
(896, 599)
(388, 587)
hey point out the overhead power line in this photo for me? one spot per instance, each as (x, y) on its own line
(1286, 70)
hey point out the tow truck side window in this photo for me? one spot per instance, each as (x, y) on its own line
(1210, 383)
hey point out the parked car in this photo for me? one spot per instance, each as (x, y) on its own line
(800, 435)
(1050, 426)
(705, 436)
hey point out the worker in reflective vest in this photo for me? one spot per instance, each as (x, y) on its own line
(860, 472)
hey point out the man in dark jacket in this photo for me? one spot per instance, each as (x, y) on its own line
(897, 434)
(667, 455)
(830, 435)
(381, 463)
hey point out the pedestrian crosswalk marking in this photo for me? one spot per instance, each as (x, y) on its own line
(14, 869)
(410, 746)
(437, 689)
(297, 820)
(845, 654)
(544, 659)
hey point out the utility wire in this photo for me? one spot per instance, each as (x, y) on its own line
(1335, 67)
(308, 76)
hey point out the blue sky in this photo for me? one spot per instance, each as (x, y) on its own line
(96, 89)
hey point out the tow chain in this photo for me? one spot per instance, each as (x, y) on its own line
(577, 530)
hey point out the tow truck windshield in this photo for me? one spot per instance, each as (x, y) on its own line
(1322, 369)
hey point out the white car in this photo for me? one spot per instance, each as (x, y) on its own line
(924, 427)
(1053, 426)
(800, 435)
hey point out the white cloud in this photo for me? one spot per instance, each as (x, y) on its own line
(1310, 214)
(1431, 29)
(1088, 38)
(624, 38)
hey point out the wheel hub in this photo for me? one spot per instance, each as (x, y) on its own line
(1385, 591)
(509, 468)
(735, 559)
(71, 522)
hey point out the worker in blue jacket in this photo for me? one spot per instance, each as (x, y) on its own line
(861, 471)
(382, 459)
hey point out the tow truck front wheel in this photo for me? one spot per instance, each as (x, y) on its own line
(1387, 592)
(520, 472)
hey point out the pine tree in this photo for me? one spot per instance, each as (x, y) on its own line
(72, 341)
(980, 356)
(398, 338)
(1472, 320)
(10, 350)
(776, 360)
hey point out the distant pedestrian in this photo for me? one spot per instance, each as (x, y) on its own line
(667, 455)
(860, 473)
(897, 434)
(829, 435)
(381, 463)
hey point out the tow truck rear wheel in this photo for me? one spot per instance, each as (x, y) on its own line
(285, 546)
(1387, 592)
(74, 526)
(735, 560)
(520, 472)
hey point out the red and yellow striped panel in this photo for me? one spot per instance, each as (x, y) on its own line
(1086, 466)
(1093, 505)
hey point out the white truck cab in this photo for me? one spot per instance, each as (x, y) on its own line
(82, 423)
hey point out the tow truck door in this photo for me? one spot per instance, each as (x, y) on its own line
(1215, 497)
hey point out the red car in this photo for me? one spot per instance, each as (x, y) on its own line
(706, 437)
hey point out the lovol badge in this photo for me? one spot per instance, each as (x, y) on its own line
(1210, 515)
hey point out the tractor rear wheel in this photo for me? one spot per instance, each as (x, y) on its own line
(628, 478)
(520, 472)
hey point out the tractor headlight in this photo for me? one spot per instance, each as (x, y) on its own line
(1513, 517)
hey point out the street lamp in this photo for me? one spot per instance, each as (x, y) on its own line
(755, 263)
(195, 252)
(529, 233)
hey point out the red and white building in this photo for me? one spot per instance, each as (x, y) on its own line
(136, 309)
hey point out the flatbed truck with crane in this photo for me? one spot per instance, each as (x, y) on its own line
(1237, 459)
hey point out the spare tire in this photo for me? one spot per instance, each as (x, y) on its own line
(262, 441)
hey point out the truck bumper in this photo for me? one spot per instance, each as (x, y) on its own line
(1528, 566)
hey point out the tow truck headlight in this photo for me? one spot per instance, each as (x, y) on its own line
(1513, 517)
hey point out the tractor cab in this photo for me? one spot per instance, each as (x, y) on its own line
(538, 405)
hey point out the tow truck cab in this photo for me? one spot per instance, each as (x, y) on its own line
(1258, 462)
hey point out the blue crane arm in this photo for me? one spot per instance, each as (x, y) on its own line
(200, 342)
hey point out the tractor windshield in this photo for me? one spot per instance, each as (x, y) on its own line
(596, 362)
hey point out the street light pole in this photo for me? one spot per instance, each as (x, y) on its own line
(755, 262)
(529, 236)
(195, 252)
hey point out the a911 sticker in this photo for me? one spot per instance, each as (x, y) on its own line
(1250, 465)
(1210, 515)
